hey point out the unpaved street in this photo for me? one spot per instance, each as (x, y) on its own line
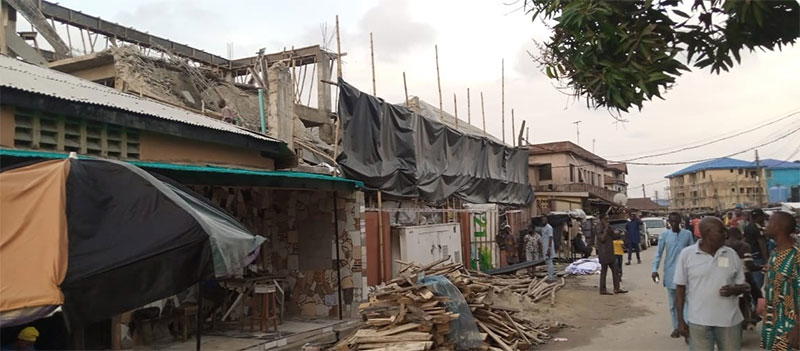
(638, 320)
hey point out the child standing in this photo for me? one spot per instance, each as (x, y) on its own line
(619, 251)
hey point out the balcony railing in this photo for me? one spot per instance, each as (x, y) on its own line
(593, 190)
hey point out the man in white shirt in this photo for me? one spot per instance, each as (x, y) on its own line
(709, 277)
(549, 248)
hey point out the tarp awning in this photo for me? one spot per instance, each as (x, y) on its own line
(227, 176)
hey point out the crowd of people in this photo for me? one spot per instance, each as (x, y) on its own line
(725, 275)
(722, 274)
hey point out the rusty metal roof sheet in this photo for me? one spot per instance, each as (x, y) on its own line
(40, 80)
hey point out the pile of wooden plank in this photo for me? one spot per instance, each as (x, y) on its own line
(404, 315)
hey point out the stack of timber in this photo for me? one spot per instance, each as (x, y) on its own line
(403, 315)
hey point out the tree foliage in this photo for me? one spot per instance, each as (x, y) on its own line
(618, 54)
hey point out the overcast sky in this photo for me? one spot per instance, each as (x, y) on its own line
(473, 36)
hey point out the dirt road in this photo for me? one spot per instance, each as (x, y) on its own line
(638, 320)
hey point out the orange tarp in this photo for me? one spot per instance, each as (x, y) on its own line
(33, 235)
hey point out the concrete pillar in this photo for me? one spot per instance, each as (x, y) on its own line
(280, 111)
(323, 89)
(8, 25)
(326, 131)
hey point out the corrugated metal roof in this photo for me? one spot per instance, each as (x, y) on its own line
(778, 164)
(732, 163)
(720, 163)
(39, 80)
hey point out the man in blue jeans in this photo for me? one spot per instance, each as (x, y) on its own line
(633, 237)
(710, 277)
(670, 244)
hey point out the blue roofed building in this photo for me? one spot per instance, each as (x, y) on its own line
(714, 185)
(726, 182)
(781, 176)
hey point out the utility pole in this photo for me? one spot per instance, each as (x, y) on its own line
(643, 192)
(577, 132)
(759, 178)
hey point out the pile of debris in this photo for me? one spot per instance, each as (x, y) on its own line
(404, 314)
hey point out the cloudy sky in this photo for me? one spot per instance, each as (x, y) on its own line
(473, 36)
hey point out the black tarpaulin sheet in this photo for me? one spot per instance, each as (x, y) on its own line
(129, 243)
(392, 149)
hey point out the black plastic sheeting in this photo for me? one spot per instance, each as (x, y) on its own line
(129, 244)
(392, 149)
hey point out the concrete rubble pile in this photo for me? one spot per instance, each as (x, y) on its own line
(406, 315)
(174, 81)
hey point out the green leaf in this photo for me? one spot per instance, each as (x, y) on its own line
(681, 13)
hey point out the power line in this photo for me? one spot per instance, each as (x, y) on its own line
(713, 141)
(713, 158)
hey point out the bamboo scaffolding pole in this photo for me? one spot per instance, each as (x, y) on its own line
(372, 60)
(503, 98)
(513, 128)
(469, 109)
(483, 115)
(405, 88)
(439, 83)
(455, 108)
(339, 76)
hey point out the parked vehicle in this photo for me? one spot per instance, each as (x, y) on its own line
(654, 226)
(619, 225)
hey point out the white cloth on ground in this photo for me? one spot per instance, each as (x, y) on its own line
(584, 266)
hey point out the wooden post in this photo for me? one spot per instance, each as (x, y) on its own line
(455, 108)
(469, 109)
(503, 98)
(405, 88)
(380, 239)
(372, 58)
(338, 50)
(116, 333)
(338, 258)
(199, 320)
(439, 83)
(528, 135)
(483, 115)
(83, 42)
(513, 128)
(519, 137)
(339, 76)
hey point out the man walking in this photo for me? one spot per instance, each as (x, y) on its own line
(709, 277)
(633, 237)
(605, 254)
(781, 330)
(549, 249)
(670, 244)
(754, 235)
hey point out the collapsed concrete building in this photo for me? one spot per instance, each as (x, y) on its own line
(135, 98)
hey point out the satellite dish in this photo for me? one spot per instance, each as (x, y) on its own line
(620, 199)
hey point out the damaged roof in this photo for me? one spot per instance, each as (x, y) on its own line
(29, 78)
(24, 76)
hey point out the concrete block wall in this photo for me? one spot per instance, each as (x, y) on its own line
(301, 243)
